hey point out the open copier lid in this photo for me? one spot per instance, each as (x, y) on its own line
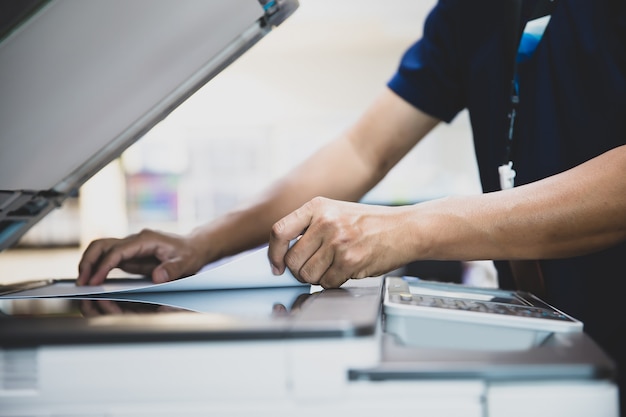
(81, 81)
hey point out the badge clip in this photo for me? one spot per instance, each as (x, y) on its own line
(507, 176)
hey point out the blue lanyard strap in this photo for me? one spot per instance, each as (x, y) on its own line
(531, 36)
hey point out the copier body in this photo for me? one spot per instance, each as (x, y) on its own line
(278, 351)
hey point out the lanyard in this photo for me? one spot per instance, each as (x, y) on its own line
(526, 46)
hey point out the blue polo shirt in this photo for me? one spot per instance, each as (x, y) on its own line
(572, 108)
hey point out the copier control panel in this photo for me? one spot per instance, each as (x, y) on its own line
(484, 317)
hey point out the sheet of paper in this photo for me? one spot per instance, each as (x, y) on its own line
(247, 270)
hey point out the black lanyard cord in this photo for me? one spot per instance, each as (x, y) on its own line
(517, 48)
(514, 37)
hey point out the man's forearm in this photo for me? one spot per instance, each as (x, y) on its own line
(576, 212)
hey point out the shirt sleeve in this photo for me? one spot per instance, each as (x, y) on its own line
(428, 75)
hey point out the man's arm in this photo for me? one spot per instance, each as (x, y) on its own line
(576, 212)
(344, 169)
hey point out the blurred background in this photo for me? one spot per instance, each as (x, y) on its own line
(299, 87)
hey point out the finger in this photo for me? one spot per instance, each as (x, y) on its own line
(333, 278)
(117, 255)
(309, 259)
(325, 270)
(295, 258)
(142, 266)
(90, 259)
(283, 232)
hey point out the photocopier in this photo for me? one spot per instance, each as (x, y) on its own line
(81, 81)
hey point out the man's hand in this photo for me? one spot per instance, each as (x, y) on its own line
(339, 241)
(162, 256)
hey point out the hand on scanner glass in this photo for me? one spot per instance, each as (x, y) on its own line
(162, 256)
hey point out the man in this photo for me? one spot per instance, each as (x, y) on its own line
(567, 145)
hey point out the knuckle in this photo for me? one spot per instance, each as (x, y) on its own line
(307, 275)
(347, 261)
(277, 229)
(330, 282)
(99, 245)
(145, 233)
(318, 201)
(93, 245)
(316, 205)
